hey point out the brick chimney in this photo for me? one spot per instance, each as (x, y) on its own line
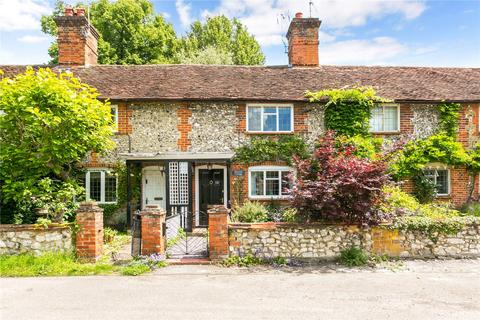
(302, 38)
(77, 39)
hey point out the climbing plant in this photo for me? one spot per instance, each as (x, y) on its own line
(347, 111)
(271, 149)
(449, 118)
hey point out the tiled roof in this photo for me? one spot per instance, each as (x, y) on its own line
(207, 82)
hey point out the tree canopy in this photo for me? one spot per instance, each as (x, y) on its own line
(49, 123)
(132, 33)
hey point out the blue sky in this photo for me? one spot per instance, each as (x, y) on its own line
(353, 32)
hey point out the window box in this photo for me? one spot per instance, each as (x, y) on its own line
(269, 118)
(101, 186)
(268, 182)
(385, 119)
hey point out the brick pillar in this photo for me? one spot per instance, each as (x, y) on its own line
(153, 241)
(89, 239)
(218, 232)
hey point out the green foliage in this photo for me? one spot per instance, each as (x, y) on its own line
(449, 118)
(135, 269)
(347, 111)
(279, 261)
(109, 235)
(269, 149)
(181, 234)
(50, 123)
(471, 209)
(436, 148)
(208, 55)
(246, 261)
(290, 215)
(353, 257)
(250, 211)
(424, 189)
(131, 32)
(228, 36)
(365, 147)
(50, 264)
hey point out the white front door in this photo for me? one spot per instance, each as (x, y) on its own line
(154, 186)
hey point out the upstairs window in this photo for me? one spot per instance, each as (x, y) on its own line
(268, 182)
(114, 114)
(101, 186)
(269, 118)
(385, 118)
(441, 179)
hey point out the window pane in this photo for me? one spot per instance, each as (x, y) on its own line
(285, 182)
(269, 121)
(256, 183)
(442, 181)
(110, 188)
(272, 174)
(273, 187)
(284, 119)
(95, 193)
(390, 118)
(254, 118)
(376, 119)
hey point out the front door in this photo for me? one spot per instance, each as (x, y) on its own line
(154, 186)
(211, 191)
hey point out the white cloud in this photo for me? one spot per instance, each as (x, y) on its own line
(32, 39)
(268, 20)
(377, 51)
(22, 14)
(183, 11)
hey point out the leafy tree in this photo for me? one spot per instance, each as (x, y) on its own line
(225, 35)
(49, 123)
(336, 185)
(130, 32)
(209, 55)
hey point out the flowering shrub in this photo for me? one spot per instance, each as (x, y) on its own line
(336, 185)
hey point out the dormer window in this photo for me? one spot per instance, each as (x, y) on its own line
(269, 118)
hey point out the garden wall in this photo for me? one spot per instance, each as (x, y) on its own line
(325, 242)
(16, 239)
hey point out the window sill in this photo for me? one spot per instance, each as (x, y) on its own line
(385, 133)
(269, 132)
(267, 198)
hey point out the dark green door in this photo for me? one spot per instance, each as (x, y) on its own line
(211, 191)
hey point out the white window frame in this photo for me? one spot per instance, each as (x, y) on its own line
(398, 118)
(102, 185)
(264, 169)
(271, 105)
(115, 107)
(449, 182)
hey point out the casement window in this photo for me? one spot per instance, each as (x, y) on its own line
(269, 118)
(268, 182)
(441, 179)
(101, 186)
(385, 118)
(114, 113)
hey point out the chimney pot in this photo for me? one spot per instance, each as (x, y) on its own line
(80, 11)
(68, 11)
(298, 15)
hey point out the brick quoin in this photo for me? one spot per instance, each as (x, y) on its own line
(124, 116)
(89, 237)
(184, 127)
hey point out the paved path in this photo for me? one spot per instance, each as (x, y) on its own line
(422, 290)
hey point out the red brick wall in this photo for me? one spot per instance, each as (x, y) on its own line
(184, 127)
(152, 233)
(303, 42)
(89, 237)
(124, 116)
(218, 233)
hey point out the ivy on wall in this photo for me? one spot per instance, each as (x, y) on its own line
(449, 118)
(272, 149)
(347, 111)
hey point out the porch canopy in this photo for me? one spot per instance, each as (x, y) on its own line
(177, 176)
